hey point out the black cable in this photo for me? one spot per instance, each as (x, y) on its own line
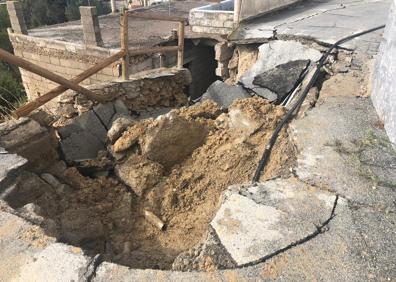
(274, 137)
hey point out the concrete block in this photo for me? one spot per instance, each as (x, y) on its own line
(16, 17)
(223, 52)
(224, 94)
(91, 29)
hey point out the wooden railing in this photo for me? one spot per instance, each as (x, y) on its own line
(124, 54)
(132, 52)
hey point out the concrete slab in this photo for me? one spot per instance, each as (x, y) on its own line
(84, 137)
(57, 262)
(224, 94)
(322, 21)
(256, 221)
(273, 54)
(342, 147)
(283, 78)
(10, 166)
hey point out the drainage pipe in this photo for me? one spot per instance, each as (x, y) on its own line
(267, 152)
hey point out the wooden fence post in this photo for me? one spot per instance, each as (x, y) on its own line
(180, 52)
(124, 44)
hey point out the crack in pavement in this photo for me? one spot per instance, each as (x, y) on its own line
(319, 230)
(91, 268)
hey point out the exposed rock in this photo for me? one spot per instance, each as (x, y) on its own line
(283, 78)
(172, 139)
(128, 138)
(224, 94)
(139, 173)
(118, 127)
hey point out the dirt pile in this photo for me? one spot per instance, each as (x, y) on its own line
(198, 152)
(175, 166)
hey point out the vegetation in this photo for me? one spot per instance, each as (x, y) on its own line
(37, 13)
(12, 93)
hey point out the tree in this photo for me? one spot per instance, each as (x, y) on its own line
(11, 90)
(72, 11)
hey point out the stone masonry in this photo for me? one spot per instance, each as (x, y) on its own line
(217, 18)
(68, 60)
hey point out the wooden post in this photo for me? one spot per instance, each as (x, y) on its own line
(9, 58)
(124, 45)
(31, 106)
(180, 52)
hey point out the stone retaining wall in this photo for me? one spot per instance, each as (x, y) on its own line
(154, 88)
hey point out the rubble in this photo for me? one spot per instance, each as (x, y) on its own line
(282, 79)
(255, 221)
(270, 56)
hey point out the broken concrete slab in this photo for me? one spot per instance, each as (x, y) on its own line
(26, 188)
(15, 132)
(273, 54)
(349, 153)
(320, 21)
(358, 245)
(224, 94)
(283, 78)
(80, 145)
(30, 140)
(83, 138)
(10, 166)
(256, 221)
(207, 256)
(105, 113)
(58, 261)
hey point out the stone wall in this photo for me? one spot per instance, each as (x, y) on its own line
(384, 82)
(68, 60)
(154, 88)
(216, 18)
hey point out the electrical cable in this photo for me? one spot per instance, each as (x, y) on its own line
(267, 152)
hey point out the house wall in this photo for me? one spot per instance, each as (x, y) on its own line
(67, 60)
(384, 82)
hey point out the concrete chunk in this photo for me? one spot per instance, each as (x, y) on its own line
(257, 221)
(283, 78)
(224, 94)
(275, 53)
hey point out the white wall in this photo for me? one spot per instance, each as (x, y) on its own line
(251, 8)
(384, 77)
